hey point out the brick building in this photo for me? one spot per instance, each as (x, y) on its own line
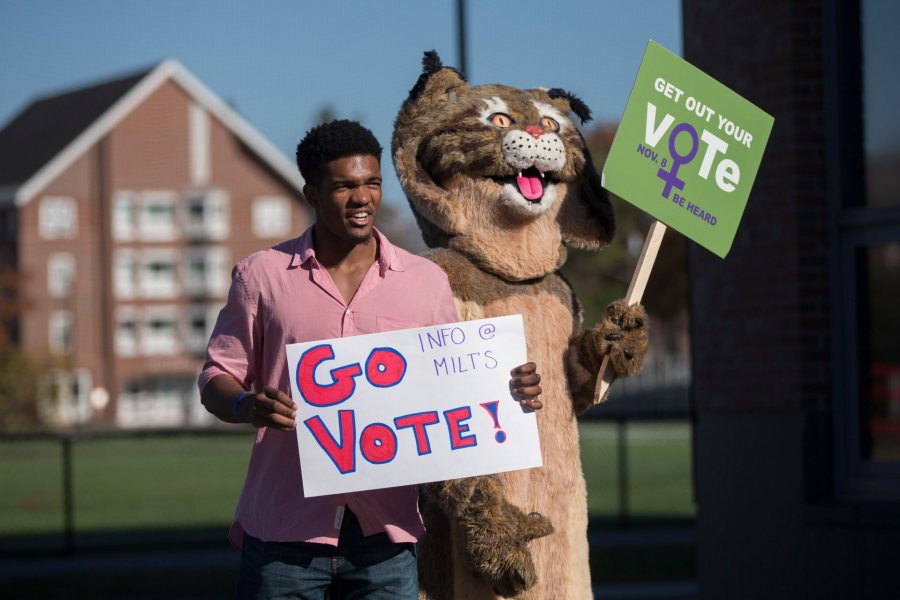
(796, 335)
(123, 206)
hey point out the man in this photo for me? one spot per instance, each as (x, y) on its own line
(341, 277)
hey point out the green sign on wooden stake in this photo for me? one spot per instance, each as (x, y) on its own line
(687, 150)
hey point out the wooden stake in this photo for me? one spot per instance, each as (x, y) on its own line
(633, 296)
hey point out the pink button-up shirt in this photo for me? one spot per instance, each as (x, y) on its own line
(282, 296)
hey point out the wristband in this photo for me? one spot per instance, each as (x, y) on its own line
(234, 405)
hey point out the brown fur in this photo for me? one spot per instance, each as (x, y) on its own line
(523, 532)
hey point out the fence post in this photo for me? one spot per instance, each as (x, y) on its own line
(622, 430)
(68, 502)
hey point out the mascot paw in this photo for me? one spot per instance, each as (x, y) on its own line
(621, 335)
(496, 545)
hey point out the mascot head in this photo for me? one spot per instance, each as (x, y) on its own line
(499, 174)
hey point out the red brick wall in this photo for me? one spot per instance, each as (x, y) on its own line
(148, 150)
(34, 252)
(761, 317)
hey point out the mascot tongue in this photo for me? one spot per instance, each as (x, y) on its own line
(530, 185)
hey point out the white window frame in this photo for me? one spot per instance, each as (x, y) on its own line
(124, 222)
(149, 284)
(216, 276)
(125, 285)
(150, 344)
(61, 401)
(214, 222)
(60, 274)
(58, 218)
(60, 330)
(272, 217)
(196, 341)
(150, 230)
(127, 345)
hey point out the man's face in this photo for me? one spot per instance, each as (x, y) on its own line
(346, 199)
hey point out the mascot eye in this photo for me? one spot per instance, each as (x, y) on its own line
(501, 120)
(549, 123)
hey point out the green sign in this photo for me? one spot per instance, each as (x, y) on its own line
(687, 150)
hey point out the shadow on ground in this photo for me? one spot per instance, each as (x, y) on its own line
(646, 559)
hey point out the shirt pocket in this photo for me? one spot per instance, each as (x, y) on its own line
(384, 323)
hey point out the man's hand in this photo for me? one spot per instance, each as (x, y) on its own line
(271, 408)
(524, 385)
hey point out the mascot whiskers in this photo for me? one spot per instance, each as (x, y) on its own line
(500, 181)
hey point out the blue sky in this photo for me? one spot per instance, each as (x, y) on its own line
(280, 62)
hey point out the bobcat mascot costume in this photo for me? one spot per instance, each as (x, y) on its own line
(499, 180)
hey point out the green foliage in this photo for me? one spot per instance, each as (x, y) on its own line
(18, 391)
(601, 277)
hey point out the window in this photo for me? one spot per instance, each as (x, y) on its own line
(58, 218)
(207, 272)
(126, 332)
(271, 216)
(64, 396)
(164, 401)
(158, 276)
(157, 216)
(201, 319)
(60, 329)
(206, 214)
(159, 331)
(864, 156)
(60, 274)
(123, 216)
(124, 274)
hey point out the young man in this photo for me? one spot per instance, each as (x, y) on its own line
(341, 277)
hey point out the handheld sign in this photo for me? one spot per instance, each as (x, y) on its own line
(411, 406)
(687, 152)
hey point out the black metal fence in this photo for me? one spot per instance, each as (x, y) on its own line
(69, 441)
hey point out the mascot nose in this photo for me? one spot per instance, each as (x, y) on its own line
(535, 130)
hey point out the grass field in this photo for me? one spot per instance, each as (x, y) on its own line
(658, 473)
(190, 482)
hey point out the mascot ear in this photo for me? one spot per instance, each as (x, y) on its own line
(586, 218)
(432, 101)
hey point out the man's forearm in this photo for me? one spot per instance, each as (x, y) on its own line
(219, 398)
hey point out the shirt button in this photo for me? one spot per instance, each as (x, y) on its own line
(348, 312)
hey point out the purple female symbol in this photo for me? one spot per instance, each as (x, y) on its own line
(678, 159)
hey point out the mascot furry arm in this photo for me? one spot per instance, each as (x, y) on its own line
(500, 181)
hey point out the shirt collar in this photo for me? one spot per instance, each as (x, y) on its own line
(388, 257)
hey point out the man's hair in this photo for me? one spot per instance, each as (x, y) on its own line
(330, 141)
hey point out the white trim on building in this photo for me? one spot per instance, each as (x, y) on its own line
(204, 97)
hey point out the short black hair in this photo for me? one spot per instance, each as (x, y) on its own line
(329, 141)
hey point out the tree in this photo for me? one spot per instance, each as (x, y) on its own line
(18, 372)
(600, 278)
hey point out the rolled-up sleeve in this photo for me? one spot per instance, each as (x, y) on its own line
(235, 342)
(445, 306)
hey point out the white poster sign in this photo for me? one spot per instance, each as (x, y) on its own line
(411, 406)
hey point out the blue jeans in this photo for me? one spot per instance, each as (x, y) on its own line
(360, 566)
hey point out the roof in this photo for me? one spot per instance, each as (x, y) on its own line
(48, 125)
(53, 132)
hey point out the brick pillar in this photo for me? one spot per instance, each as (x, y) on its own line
(760, 319)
